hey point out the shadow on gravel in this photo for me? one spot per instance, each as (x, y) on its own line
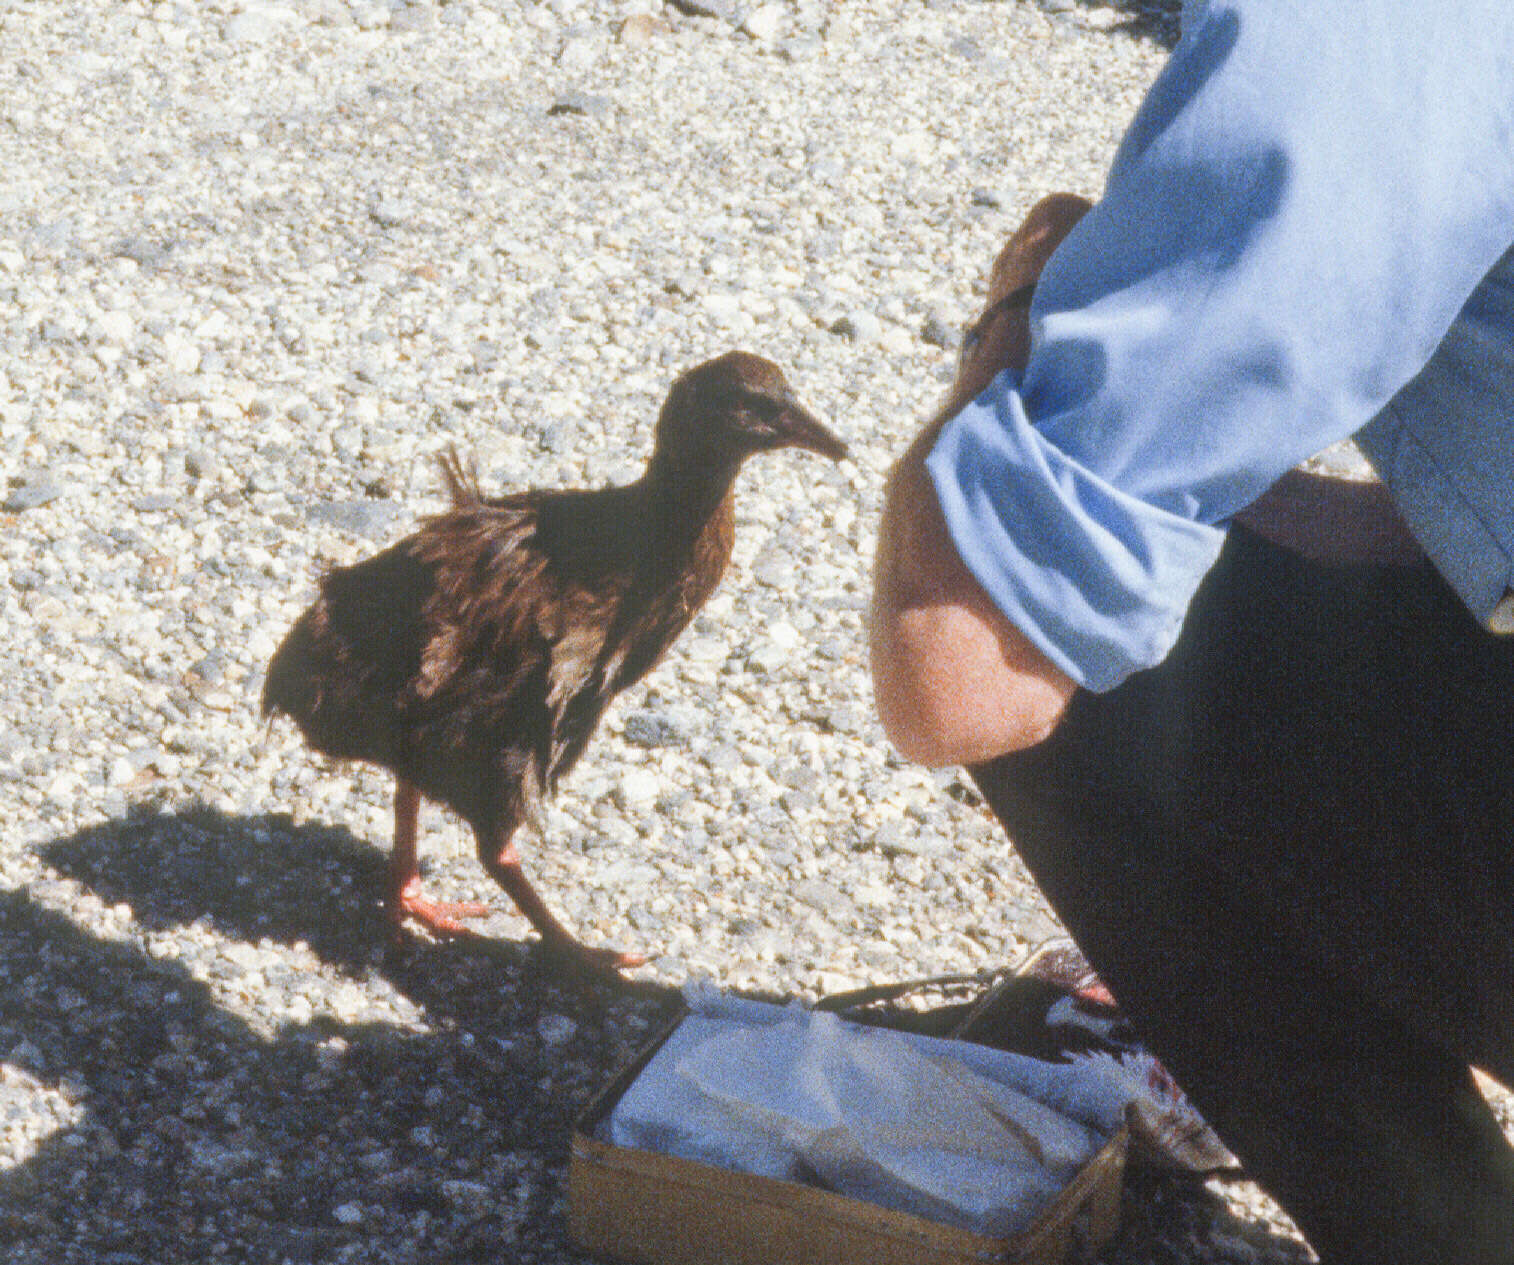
(265, 878)
(199, 1129)
(250, 877)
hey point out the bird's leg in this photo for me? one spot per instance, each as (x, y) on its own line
(405, 899)
(501, 859)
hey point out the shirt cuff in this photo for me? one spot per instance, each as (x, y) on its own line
(1097, 579)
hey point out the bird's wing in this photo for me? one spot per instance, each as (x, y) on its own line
(504, 603)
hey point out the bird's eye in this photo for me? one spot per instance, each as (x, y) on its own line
(762, 414)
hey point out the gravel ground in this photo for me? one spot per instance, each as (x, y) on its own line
(258, 262)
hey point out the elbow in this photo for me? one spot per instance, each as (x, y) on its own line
(914, 724)
(918, 721)
(946, 694)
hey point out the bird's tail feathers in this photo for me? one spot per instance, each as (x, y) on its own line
(460, 478)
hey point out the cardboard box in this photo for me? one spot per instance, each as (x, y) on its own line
(653, 1209)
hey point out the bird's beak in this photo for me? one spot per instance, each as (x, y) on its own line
(800, 428)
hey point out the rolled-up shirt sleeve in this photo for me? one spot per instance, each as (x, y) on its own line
(1299, 211)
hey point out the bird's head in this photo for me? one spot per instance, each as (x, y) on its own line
(725, 409)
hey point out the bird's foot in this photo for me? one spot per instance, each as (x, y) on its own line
(440, 917)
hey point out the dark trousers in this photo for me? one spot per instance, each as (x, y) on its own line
(1289, 851)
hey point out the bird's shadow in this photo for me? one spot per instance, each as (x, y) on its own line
(319, 888)
(190, 1124)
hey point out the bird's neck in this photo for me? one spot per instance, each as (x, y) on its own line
(685, 496)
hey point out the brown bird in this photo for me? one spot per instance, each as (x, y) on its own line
(474, 658)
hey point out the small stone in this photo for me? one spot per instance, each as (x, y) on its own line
(348, 1214)
(556, 438)
(913, 146)
(116, 327)
(892, 839)
(556, 1030)
(655, 729)
(860, 326)
(141, 251)
(638, 788)
(820, 895)
(764, 22)
(797, 802)
(34, 490)
(783, 634)
(775, 568)
(724, 309)
(941, 333)
(371, 519)
(705, 650)
(411, 19)
(254, 26)
(588, 104)
(846, 719)
(577, 55)
(724, 9)
(182, 355)
(371, 17)
(640, 29)
(389, 213)
(767, 659)
(723, 759)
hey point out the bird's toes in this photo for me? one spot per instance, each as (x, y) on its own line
(439, 917)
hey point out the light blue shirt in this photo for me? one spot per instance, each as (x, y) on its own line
(1305, 235)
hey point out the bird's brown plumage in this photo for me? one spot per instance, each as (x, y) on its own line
(475, 657)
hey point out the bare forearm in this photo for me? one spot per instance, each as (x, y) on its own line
(955, 681)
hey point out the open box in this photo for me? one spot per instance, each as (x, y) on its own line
(642, 1206)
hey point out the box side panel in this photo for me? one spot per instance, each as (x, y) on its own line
(637, 1207)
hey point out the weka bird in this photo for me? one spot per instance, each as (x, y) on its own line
(474, 658)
